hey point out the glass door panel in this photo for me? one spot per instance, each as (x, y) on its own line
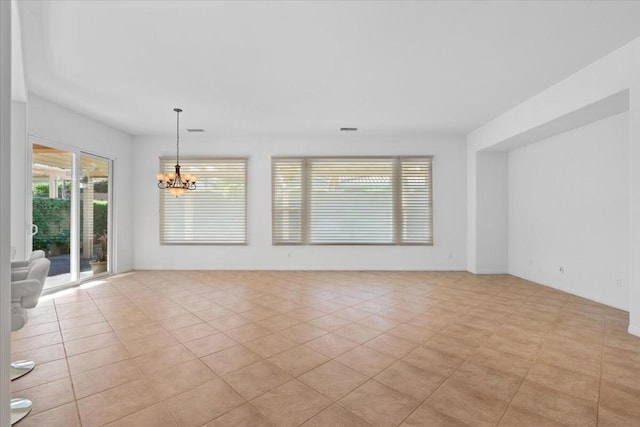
(52, 193)
(94, 217)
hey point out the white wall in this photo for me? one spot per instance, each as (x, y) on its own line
(491, 213)
(472, 209)
(569, 207)
(49, 122)
(5, 211)
(448, 252)
(634, 200)
(19, 188)
(18, 78)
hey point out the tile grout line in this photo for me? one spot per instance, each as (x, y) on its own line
(121, 343)
(294, 378)
(511, 313)
(246, 402)
(535, 359)
(66, 359)
(604, 333)
(58, 379)
(448, 376)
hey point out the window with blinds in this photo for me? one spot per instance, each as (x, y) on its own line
(214, 213)
(287, 201)
(344, 200)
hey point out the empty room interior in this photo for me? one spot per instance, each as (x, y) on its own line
(319, 213)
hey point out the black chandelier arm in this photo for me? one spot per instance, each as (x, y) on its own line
(177, 183)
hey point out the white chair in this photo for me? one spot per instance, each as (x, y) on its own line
(19, 269)
(25, 295)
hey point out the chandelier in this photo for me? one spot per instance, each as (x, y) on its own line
(176, 183)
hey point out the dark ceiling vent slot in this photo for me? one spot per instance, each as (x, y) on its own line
(348, 129)
(195, 130)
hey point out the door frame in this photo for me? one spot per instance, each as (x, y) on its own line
(76, 153)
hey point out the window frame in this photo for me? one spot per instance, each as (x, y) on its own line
(397, 220)
(165, 160)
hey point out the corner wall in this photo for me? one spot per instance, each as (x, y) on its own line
(569, 209)
(606, 87)
(448, 252)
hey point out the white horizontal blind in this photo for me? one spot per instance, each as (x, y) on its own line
(350, 201)
(344, 200)
(416, 199)
(287, 201)
(213, 213)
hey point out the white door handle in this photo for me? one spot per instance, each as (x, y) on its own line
(34, 229)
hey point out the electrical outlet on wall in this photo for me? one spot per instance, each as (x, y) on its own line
(618, 276)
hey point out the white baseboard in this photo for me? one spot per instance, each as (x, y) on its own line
(491, 271)
(306, 268)
(573, 291)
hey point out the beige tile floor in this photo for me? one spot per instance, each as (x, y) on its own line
(193, 348)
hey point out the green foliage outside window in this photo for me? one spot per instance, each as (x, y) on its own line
(50, 215)
(52, 218)
(100, 210)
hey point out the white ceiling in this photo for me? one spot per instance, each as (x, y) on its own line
(310, 67)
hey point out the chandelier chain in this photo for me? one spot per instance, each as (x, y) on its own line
(178, 137)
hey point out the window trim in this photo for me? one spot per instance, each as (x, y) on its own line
(396, 199)
(246, 201)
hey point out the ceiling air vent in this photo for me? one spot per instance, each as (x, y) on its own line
(348, 129)
(195, 130)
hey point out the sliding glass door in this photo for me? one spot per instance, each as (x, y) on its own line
(70, 212)
(94, 215)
